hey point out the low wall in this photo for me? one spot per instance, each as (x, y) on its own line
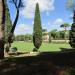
(57, 41)
(67, 41)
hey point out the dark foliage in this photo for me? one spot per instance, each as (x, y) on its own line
(8, 24)
(72, 33)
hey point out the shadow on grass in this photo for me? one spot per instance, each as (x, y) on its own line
(17, 53)
(46, 63)
(67, 49)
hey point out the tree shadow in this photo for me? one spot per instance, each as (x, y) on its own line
(67, 49)
(17, 53)
(45, 63)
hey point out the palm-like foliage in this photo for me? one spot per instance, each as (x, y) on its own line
(65, 26)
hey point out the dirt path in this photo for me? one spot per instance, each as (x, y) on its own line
(21, 54)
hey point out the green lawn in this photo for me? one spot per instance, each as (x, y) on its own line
(27, 46)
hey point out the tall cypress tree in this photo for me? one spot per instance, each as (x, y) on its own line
(37, 30)
(8, 24)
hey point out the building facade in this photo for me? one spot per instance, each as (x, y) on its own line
(45, 36)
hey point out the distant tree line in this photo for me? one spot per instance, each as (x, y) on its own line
(55, 35)
(24, 38)
(59, 35)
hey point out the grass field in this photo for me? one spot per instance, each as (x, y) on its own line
(28, 46)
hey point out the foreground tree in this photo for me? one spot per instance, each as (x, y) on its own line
(71, 6)
(65, 26)
(2, 25)
(37, 33)
(18, 4)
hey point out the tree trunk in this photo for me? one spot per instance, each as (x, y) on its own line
(65, 34)
(10, 38)
(49, 37)
(2, 25)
